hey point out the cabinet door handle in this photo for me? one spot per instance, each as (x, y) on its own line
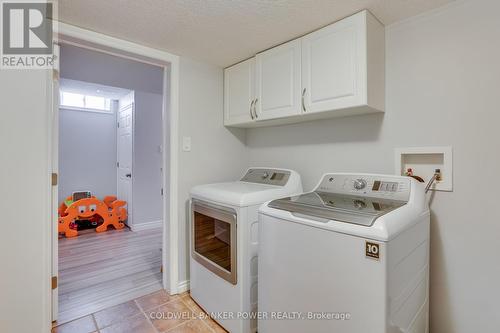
(251, 108)
(303, 104)
(255, 109)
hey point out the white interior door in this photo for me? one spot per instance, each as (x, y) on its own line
(125, 140)
(278, 81)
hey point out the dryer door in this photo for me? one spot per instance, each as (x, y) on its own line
(213, 239)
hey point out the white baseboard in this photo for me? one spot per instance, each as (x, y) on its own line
(146, 225)
(183, 286)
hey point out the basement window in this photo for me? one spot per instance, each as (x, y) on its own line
(82, 102)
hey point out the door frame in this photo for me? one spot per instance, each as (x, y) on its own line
(68, 34)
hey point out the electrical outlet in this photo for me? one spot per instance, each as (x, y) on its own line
(186, 143)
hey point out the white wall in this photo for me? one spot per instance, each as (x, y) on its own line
(443, 77)
(87, 153)
(24, 202)
(217, 154)
(147, 179)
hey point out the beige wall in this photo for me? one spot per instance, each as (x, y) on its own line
(443, 81)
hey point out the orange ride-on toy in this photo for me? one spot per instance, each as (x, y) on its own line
(110, 210)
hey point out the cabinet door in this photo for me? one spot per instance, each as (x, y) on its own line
(333, 65)
(278, 81)
(239, 92)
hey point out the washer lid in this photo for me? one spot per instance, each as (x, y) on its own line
(325, 206)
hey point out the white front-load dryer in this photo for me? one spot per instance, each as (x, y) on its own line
(224, 243)
(352, 257)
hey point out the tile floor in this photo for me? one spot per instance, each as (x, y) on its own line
(154, 313)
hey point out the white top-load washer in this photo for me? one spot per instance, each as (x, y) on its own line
(352, 257)
(224, 243)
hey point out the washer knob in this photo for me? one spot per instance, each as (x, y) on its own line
(265, 175)
(359, 184)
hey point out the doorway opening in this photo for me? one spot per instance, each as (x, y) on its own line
(111, 161)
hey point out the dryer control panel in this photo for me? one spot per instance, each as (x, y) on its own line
(275, 177)
(376, 186)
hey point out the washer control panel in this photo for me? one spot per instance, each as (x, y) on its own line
(390, 187)
(275, 177)
(359, 184)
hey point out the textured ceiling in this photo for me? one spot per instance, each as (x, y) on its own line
(223, 32)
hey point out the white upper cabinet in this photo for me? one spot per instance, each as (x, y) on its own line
(338, 70)
(278, 81)
(239, 93)
(343, 66)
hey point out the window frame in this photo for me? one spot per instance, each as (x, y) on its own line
(84, 108)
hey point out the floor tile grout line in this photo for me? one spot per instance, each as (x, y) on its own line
(120, 321)
(198, 318)
(150, 322)
(210, 328)
(189, 306)
(138, 305)
(173, 298)
(193, 311)
(176, 326)
(95, 322)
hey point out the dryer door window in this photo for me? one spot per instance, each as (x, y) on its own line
(214, 239)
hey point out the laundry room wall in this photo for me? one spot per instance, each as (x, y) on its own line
(87, 152)
(217, 153)
(442, 89)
